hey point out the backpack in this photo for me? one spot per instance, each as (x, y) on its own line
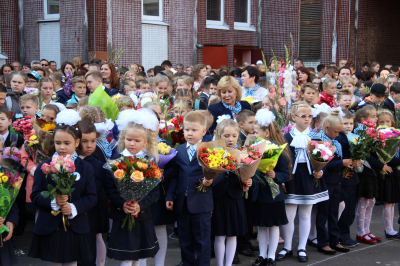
(197, 104)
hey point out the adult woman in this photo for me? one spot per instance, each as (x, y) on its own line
(141, 68)
(249, 78)
(67, 67)
(198, 74)
(358, 76)
(189, 70)
(304, 75)
(6, 69)
(375, 67)
(80, 72)
(230, 93)
(77, 61)
(110, 77)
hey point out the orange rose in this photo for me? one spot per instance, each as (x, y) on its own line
(142, 166)
(158, 173)
(137, 176)
(119, 174)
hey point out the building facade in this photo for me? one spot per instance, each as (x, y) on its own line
(216, 32)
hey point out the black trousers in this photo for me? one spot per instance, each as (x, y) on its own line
(349, 212)
(328, 211)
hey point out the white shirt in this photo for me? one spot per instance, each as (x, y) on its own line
(5, 136)
(127, 153)
(259, 94)
(194, 146)
(390, 97)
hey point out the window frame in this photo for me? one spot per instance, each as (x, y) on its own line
(160, 17)
(248, 23)
(222, 15)
(49, 16)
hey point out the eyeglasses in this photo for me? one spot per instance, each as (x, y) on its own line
(31, 81)
(45, 64)
(305, 116)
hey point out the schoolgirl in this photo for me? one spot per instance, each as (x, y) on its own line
(264, 204)
(138, 137)
(187, 83)
(51, 242)
(46, 91)
(328, 88)
(301, 191)
(228, 220)
(160, 86)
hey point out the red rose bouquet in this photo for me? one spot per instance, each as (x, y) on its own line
(22, 126)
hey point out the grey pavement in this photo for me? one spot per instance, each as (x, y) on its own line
(385, 253)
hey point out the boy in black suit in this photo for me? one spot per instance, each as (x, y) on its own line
(394, 98)
(209, 86)
(194, 208)
(246, 120)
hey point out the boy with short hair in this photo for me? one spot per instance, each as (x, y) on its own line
(246, 120)
(194, 208)
(348, 83)
(79, 89)
(343, 98)
(209, 86)
(309, 92)
(394, 98)
(377, 96)
(3, 94)
(29, 106)
(142, 85)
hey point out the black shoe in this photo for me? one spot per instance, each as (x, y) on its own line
(348, 243)
(260, 261)
(302, 258)
(247, 253)
(254, 247)
(236, 259)
(339, 249)
(326, 252)
(389, 237)
(280, 257)
(354, 241)
(180, 263)
(270, 262)
(311, 243)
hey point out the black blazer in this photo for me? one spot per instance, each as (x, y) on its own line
(230, 183)
(390, 105)
(111, 92)
(354, 180)
(83, 197)
(20, 141)
(62, 96)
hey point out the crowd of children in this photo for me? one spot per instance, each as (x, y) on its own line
(205, 105)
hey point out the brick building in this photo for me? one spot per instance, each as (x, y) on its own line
(216, 32)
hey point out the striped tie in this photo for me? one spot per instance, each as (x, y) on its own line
(191, 152)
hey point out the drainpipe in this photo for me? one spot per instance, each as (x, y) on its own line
(109, 28)
(21, 31)
(195, 34)
(334, 39)
(259, 16)
(85, 34)
(355, 32)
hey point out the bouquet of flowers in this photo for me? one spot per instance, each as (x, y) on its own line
(22, 126)
(11, 157)
(10, 184)
(397, 115)
(62, 172)
(134, 178)
(33, 148)
(44, 131)
(250, 157)
(388, 151)
(268, 162)
(321, 153)
(166, 153)
(216, 158)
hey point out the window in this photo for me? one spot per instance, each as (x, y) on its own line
(242, 11)
(310, 29)
(152, 10)
(215, 12)
(51, 9)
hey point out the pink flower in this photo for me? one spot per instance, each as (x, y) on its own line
(69, 167)
(55, 165)
(282, 102)
(327, 144)
(46, 168)
(314, 143)
(58, 159)
(330, 158)
(323, 153)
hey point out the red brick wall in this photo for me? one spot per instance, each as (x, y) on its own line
(97, 26)
(279, 19)
(9, 21)
(33, 10)
(72, 17)
(229, 38)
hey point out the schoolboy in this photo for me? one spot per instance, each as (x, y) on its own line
(246, 120)
(377, 95)
(3, 94)
(209, 86)
(194, 208)
(309, 92)
(79, 89)
(344, 98)
(394, 98)
(29, 106)
(349, 184)
(142, 85)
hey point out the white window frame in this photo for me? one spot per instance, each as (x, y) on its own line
(160, 17)
(248, 23)
(222, 15)
(49, 16)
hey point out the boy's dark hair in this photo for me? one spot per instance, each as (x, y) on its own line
(4, 110)
(253, 72)
(320, 67)
(299, 59)
(366, 64)
(215, 80)
(166, 63)
(368, 83)
(150, 69)
(256, 106)
(243, 115)
(27, 65)
(86, 127)
(52, 107)
(395, 88)
(394, 69)
(369, 74)
(3, 88)
(206, 83)
(141, 82)
(123, 70)
(141, 74)
(157, 70)
(96, 65)
(237, 72)
(96, 61)
(358, 84)
(348, 114)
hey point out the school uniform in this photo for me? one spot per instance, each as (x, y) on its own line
(369, 182)
(268, 211)
(204, 98)
(141, 241)
(242, 138)
(73, 99)
(62, 96)
(391, 105)
(14, 140)
(111, 92)
(105, 150)
(50, 241)
(349, 189)
(389, 186)
(194, 208)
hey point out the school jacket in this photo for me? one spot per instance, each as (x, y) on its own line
(17, 141)
(62, 96)
(84, 197)
(354, 180)
(391, 106)
(230, 183)
(187, 174)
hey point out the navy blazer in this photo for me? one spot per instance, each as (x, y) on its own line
(117, 202)
(111, 92)
(100, 174)
(262, 192)
(230, 183)
(13, 215)
(187, 174)
(391, 106)
(354, 180)
(219, 109)
(62, 96)
(83, 197)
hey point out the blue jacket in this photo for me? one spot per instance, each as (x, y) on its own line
(230, 183)
(219, 109)
(83, 197)
(111, 92)
(262, 192)
(187, 174)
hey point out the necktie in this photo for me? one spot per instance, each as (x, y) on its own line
(191, 152)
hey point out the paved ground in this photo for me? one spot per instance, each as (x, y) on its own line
(384, 253)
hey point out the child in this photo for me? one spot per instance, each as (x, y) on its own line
(264, 203)
(389, 186)
(193, 207)
(301, 192)
(209, 86)
(58, 79)
(377, 96)
(79, 89)
(142, 85)
(394, 98)
(246, 120)
(361, 89)
(344, 99)
(210, 121)
(266, 103)
(229, 215)
(29, 105)
(50, 112)
(317, 121)
(348, 83)
(368, 188)
(49, 229)
(46, 90)
(3, 94)
(308, 92)
(155, 106)
(129, 86)
(181, 109)
(83, 102)
(213, 99)
(9, 139)
(125, 103)
(18, 83)
(185, 87)
(160, 86)
(329, 88)
(138, 137)
(328, 240)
